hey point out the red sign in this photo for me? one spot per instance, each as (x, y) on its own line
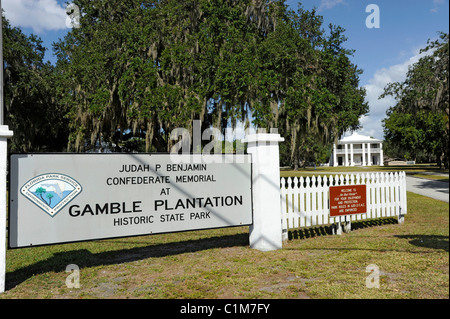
(347, 200)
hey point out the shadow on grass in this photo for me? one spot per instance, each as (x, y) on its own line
(310, 232)
(428, 241)
(84, 258)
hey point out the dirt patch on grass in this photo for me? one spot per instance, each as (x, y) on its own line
(279, 284)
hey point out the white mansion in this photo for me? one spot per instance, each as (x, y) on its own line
(357, 150)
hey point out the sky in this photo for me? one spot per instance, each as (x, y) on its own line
(383, 50)
(384, 53)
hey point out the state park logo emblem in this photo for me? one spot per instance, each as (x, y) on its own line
(51, 192)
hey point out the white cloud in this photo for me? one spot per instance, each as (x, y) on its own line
(371, 127)
(436, 3)
(39, 15)
(329, 4)
(371, 123)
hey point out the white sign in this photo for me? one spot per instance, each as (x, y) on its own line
(58, 198)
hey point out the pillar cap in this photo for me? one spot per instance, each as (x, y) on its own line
(263, 137)
(5, 132)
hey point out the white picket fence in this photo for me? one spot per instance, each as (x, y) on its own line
(305, 201)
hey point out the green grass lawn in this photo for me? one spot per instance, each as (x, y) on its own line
(413, 259)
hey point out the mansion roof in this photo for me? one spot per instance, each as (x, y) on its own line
(357, 138)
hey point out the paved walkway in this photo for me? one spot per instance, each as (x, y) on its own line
(431, 188)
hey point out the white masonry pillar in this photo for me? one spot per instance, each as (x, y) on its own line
(5, 133)
(266, 231)
(369, 159)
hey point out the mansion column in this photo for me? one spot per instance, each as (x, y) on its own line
(369, 159)
(381, 154)
(335, 162)
(352, 163)
(346, 155)
(363, 155)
